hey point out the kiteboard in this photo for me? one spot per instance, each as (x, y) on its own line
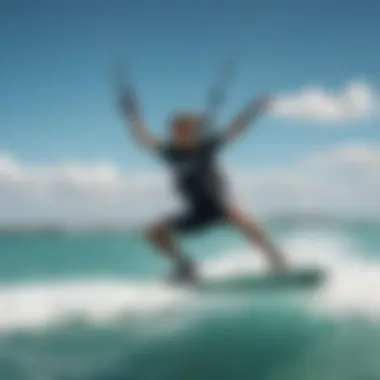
(302, 278)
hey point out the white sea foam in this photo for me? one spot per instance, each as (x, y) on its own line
(352, 288)
(38, 305)
(353, 281)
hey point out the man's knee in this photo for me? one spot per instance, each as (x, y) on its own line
(249, 225)
(237, 217)
(157, 233)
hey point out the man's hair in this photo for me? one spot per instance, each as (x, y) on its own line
(197, 119)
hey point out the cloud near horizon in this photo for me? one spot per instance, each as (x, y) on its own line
(342, 180)
(357, 100)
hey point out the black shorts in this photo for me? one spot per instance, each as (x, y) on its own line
(198, 218)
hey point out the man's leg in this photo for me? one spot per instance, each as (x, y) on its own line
(256, 235)
(161, 236)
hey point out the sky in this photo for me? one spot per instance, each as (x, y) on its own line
(64, 151)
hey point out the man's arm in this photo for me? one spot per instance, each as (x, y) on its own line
(245, 118)
(132, 114)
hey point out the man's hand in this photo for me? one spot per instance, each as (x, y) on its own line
(247, 116)
(131, 110)
(129, 105)
(258, 106)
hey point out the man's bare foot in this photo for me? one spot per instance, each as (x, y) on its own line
(184, 272)
(278, 263)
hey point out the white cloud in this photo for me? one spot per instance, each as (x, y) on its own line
(342, 180)
(357, 100)
(339, 180)
(355, 155)
(78, 192)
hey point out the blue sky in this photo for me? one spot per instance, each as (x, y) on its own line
(57, 105)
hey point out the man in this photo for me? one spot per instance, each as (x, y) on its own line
(191, 157)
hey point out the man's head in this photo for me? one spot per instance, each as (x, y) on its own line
(187, 128)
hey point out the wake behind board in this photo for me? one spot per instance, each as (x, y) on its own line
(305, 278)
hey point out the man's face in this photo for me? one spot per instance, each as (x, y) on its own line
(186, 133)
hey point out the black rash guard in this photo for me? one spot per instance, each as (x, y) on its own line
(198, 181)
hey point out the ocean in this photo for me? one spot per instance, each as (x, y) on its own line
(95, 305)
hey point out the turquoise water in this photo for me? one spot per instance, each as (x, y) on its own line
(94, 306)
